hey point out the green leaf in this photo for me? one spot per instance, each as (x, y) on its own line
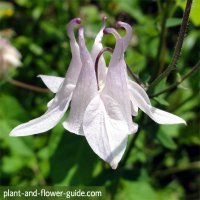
(172, 191)
(36, 49)
(135, 61)
(12, 164)
(161, 100)
(6, 9)
(136, 190)
(55, 138)
(90, 13)
(73, 162)
(8, 105)
(17, 145)
(130, 5)
(165, 140)
(171, 22)
(190, 135)
(194, 14)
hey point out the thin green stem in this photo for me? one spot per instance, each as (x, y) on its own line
(161, 46)
(159, 6)
(178, 46)
(134, 76)
(173, 170)
(175, 107)
(128, 152)
(174, 85)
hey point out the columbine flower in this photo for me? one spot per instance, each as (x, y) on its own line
(9, 56)
(106, 120)
(102, 102)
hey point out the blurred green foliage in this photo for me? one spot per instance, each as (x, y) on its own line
(164, 163)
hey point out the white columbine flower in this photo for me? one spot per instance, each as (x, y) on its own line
(9, 56)
(102, 102)
(105, 119)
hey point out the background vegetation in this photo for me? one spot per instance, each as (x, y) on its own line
(161, 162)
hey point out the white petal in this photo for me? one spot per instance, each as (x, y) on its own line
(128, 36)
(140, 98)
(48, 120)
(85, 90)
(52, 82)
(134, 109)
(75, 64)
(106, 134)
(50, 102)
(116, 82)
(126, 41)
(133, 85)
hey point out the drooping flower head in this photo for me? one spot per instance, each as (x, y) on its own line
(102, 101)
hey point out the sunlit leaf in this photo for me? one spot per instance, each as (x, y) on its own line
(6, 9)
(166, 140)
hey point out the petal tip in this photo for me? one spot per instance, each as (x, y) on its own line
(39, 76)
(64, 124)
(76, 21)
(118, 24)
(13, 134)
(114, 166)
(105, 31)
(16, 133)
(184, 122)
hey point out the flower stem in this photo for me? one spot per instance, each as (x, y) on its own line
(161, 47)
(178, 46)
(28, 86)
(173, 170)
(131, 145)
(174, 85)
